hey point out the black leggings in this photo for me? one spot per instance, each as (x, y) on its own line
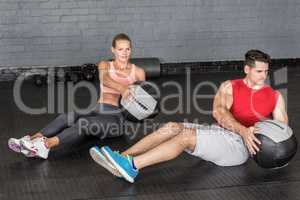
(103, 121)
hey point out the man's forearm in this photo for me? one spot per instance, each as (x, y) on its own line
(226, 120)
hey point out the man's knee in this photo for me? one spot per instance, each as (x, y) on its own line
(174, 126)
(171, 128)
(188, 138)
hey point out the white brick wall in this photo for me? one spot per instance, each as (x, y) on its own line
(71, 32)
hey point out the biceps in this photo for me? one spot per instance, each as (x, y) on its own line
(216, 102)
(222, 101)
(104, 77)
(219, 104)
(281, 117)
(279, 113)
(141, 76)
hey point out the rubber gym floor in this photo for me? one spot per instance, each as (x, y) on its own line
(70, 173)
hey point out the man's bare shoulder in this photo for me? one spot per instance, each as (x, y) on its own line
(226, 87)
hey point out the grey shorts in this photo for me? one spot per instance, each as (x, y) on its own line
(218, 145)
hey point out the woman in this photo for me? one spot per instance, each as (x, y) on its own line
(104, 120)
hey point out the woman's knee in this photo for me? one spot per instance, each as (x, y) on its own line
(68, 118)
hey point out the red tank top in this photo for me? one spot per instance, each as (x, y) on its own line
(249, 105)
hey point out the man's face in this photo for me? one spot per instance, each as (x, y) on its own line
(258, 73)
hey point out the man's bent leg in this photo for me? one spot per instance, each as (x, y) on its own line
(168, 150)
(166, 132)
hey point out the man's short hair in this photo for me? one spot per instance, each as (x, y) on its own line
(256, 55)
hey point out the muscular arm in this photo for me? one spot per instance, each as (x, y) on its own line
(279, 112)
(221, 109)
(140, 74)
(221, 112)
(105, 79)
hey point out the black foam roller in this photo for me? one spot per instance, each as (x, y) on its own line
(150, 65)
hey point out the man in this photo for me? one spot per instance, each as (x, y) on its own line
(237, 106)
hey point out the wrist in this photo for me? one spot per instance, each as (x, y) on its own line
(123, 90)
(243, 130)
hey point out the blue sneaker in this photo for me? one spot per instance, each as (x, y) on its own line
(100, 159)
(122, 163)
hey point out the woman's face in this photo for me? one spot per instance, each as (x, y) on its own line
(122, 51)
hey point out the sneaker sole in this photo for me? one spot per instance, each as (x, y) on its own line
(29, 154)
(13, 146)
(18, 149)
(120, 169)
(97, 156)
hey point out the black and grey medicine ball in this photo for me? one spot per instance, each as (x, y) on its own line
(278, 144)
(143, 103)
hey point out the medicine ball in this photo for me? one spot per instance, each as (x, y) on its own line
(278, 144)
(143, 102)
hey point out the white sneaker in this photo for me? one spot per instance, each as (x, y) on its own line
(14, 144)
(38, 146)
(100, 159)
